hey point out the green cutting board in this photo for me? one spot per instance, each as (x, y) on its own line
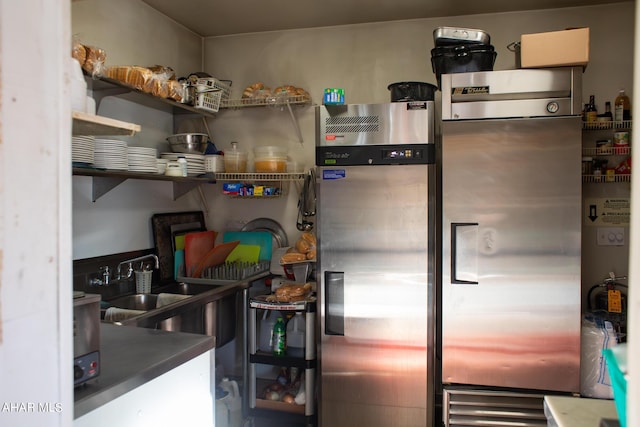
(245, 253)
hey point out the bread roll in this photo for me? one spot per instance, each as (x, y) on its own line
(292, 257)
(292, 292)
(303, 246)
(311, 255)
(249, 91)
(309, 237)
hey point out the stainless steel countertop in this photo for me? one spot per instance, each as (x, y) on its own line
(131, 357)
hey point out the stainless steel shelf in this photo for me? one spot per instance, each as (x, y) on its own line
(105, 180)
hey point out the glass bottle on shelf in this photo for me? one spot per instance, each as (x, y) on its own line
(607, 116)
(591, 113)
(622, 109)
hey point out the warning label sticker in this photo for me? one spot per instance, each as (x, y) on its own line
(604, 211)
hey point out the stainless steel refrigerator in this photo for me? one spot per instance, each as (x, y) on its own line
(511, 233)
(375, 266)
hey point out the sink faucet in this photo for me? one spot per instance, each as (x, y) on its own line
(103, 278)
(130, 266)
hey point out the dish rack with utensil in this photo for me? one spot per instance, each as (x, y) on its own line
(233, 271)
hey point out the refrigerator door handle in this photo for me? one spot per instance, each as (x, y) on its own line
(464, 253)
(334, 302)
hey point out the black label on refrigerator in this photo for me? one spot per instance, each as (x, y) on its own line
(416, 105)
(470, 90)
(371, 155)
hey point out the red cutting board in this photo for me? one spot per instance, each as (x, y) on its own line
(216, 256)
(196, 246)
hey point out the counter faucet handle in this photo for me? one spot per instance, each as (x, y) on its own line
(106, 275)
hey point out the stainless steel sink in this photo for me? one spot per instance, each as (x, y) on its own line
(186, 288)
(209, 310)
(136, 302)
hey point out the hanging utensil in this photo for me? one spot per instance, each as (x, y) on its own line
(310, 190)
(302, 224)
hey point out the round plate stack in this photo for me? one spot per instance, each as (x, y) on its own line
(111, 154)
(143, 159)
(195, 162)
(82, 149)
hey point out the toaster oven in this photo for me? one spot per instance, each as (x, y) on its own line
(86, 337)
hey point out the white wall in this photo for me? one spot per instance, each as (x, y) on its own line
(35, 215)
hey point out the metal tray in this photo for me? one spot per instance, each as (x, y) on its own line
(445, 36)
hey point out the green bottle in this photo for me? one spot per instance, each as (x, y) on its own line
(279, 338)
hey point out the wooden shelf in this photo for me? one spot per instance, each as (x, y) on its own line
(90, 124)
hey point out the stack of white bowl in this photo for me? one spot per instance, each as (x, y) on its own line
(162, 165)
(82, 149)
(111, 154)
(142, 159)
(195, 162)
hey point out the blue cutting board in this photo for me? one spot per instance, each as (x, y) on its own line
(258, 238)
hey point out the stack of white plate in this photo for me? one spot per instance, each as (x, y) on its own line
(143, 159)
(82, 149)
(110, 154)
(195, 162)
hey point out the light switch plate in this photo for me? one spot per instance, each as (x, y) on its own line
(610, 236)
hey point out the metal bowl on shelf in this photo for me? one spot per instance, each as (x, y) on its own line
(194, 143)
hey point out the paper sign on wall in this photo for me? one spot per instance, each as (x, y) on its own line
(607, 211)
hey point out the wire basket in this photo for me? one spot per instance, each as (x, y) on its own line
(208, 99)
(213, 83)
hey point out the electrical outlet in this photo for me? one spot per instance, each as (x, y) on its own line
(610, 236)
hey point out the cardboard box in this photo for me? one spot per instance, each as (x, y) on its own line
(555, 49)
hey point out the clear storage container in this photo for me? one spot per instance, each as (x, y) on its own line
(270, 159)
(235, 161)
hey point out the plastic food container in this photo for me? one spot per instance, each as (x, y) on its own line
(270, 159)
(412, 91)
(235, 161)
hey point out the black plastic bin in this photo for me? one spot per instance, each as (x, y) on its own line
(462, 59)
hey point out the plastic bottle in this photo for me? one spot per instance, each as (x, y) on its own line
(296, 335)
(229, 412)
(622, 107)
(279, 339)
(266, 330)
(183, 165)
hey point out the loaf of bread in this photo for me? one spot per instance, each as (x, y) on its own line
(176, 90)
(136, 77)
(292, 292)
(79, 53)
(95, 60)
